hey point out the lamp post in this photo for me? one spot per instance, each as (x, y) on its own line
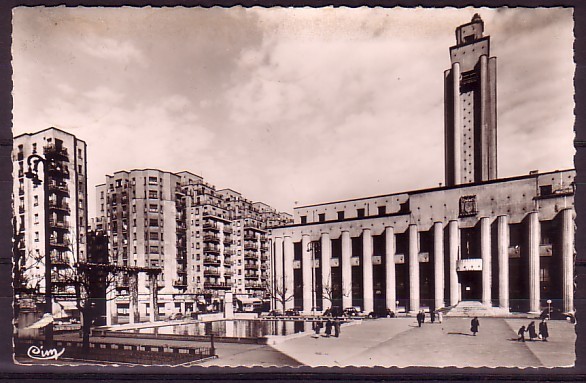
(33, 162)
(549, 309)
(313, 247)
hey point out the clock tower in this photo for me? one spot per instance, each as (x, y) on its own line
(470, 107)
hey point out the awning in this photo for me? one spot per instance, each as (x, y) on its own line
(249, 300)
(44, 321)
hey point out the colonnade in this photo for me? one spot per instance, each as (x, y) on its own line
(284, 257)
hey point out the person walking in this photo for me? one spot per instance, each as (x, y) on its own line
(439, 316)
(432, 316)
(422, 316)
(531, 331)
(543, 330)
(419, 320)
(474, 324)
(521, 334)
(328, 328)
(336, 327)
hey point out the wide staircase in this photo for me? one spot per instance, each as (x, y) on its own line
(476, 309)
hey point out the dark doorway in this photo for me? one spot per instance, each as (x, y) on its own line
(471, 282)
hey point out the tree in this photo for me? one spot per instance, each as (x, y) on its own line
(281, 294)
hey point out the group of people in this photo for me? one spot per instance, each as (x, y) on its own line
(432, 317)
(330, 323)
(543, 331)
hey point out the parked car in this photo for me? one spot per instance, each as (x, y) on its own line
(275, 313)
(352, 311)
(292, 312)
(557, 314)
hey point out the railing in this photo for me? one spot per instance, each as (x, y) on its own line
(59, 206)
(250, 276)
(254, 285)
(59, 243)
(180, 282)
(227, 230)
(228, 273)
(211, 238)
(211, 272)
(181, 270)
(250, 266)
(227, 262)
(59, 260)
(250, 255)
(217, 285)
(211, 261)
(248, 236)
(250, 246)
(58, 224)
(264, 258)
(210, 225)
(52, 149)
(211, 249)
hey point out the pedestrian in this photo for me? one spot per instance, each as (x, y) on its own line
(531, 331)
(317, 325)
(328, 328)
(521, 334)
(432, 316)
(543, 330)
(419, 320)
(422, 316)
(474, 324)
(439, 316)
(336, 327)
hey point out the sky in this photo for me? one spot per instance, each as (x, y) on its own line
(287, 106)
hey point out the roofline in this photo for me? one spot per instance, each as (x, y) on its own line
(419, 191)
(49, 128)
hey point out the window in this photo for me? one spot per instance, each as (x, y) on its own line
(79, 153)
(154, 250)
(102, 208)
(340, 215)
(152, 194)
(154, 236)
(322, 217)
(303, 219)
(153, 222)
(36, 218)
(382, 210)
(79, 169)
(36, 200)
(102, 194)
(34, 148)
(36, 236)
(545, 190)
(152, 180)
(153, 208)
(360, 213)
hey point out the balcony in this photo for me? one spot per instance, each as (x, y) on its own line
(211, 226)
(217, 285)
(249, 236)
(227, 262)
(264, 276)
(227, 241)
(264, 266)
(211, 238)
(208, 272)
(181, 270)
(228, 273)
(211, 261)
(211, 249)
(251, 276)
(254, 285)
(58, 224)
(250, 255)
(58, 170)
(20, 191)
(263, 238)
(227, 230)
(59, 260)
(229, 252)
(180, 283)
(63, 206)
(250, 266)
(264, 258)
(56, 187)
(181, 226)
(250, 246)
(57, 152)
(59, 242)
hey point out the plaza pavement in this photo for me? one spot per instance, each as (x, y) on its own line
(400, 342)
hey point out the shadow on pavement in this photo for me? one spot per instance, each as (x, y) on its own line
(459, 333)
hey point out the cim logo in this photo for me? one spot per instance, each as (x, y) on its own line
(39, 353)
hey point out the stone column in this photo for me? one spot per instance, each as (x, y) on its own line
(278, 277)
(346, 270)
(568, 259)
(134, 314)
(484, 128)
(367, 274)
(326, 270)
(457, 144)
(485, 254)
(413, 269)
(454, 253)
(289, 289)
(154, 298)
(503, 259)
(438, 264)
(391, 289)
(534, 267)
(306, 255)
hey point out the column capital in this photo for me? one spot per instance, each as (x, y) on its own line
(441, 222)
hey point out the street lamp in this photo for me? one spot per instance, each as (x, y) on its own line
(313, 247)
(549, 309)
(33, 162)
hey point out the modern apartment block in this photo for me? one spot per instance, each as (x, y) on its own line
(61, 214)
(496, 244)
(206, 242)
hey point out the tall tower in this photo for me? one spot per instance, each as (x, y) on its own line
(470, 107)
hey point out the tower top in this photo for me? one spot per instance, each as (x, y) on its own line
(470, 32)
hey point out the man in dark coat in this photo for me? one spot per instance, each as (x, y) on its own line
(531, 330)
(432, 316)
(336, 327)
(543, 330)
(474, 324)
(419, 319)
(521, 334)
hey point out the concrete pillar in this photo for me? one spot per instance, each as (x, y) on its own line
(534, 267)
(568, 259)
(228, 305)
(367, 274)
(134, 314)
(391, 283)
(278, 277)
(306, 268)
(503, 260)
(153, 298)
(413, 269)
(457, 144)
(326, 270)
(289, 289)
(454, 254)
(484, 128)
(346, 270)
(486, 255)
(438, 264)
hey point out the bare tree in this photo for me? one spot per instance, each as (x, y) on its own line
(281, 294)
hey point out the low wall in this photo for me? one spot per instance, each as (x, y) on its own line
(195, 338)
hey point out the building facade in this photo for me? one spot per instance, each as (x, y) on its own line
(56, 209)
(505, 243)
(206, 242)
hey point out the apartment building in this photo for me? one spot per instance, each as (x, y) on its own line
(205, 241)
